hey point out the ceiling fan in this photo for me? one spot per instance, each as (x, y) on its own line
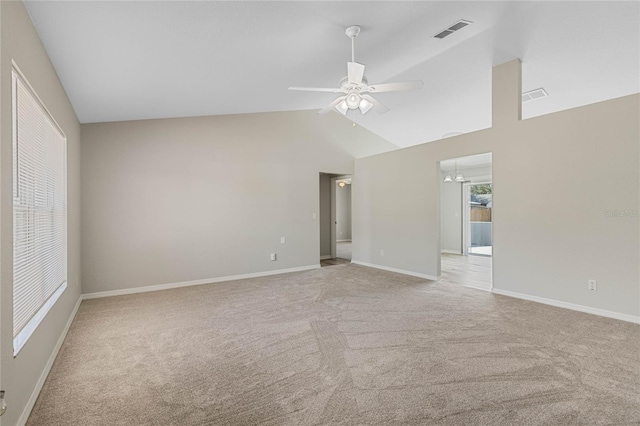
(355, 88)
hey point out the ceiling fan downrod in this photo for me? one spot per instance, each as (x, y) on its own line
(352, 32)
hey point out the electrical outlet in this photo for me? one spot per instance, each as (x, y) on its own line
(381, 252)
(283, 240)
(274, 256)
(593, 285)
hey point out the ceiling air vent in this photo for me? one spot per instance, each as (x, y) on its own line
(453, 28)
(534, 94)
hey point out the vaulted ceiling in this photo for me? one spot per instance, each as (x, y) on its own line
(139, 60)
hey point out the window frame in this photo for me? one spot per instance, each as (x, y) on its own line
(22, 337)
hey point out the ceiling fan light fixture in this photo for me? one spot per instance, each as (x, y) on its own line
(365, 106)
(448, 178)
(459, 177)
(353, 100)
(342, 108)
(355, 86)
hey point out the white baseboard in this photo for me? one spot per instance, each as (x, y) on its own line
(399, 271)
(567, 305)
(195, 282)
(475, 287)
(325, 257)
(47, 368)
(343, 241)
(450, 252)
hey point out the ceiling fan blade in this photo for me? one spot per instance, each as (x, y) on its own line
(378, 106)
(332, 105)
(355, 72)
(318, 89)
(392, 87)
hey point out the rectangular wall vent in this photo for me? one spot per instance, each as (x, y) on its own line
(453, 28)
(534, 94)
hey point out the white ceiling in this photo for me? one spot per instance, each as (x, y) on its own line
(126, 60)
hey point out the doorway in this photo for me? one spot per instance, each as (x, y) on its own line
(466, 221)
(335, 219)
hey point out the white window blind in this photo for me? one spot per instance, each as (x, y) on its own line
(39, 211)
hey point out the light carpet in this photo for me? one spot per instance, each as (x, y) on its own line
(339, 345)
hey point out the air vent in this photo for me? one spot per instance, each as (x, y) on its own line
(453, 28)
(534, 94)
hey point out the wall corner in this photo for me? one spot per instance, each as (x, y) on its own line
(506, 91)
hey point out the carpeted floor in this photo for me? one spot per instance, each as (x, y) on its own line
(340, 345)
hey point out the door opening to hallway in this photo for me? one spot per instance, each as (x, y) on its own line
(335, 219)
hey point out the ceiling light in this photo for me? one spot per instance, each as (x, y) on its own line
(342, 184)
(459, 177)
(365, 106)
(355, 86)
(353, 100)
(342, 107)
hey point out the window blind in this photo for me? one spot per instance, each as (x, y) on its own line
(39, 211)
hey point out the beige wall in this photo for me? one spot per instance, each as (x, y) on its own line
(579, 163)
(20, 42)
(168, 201)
